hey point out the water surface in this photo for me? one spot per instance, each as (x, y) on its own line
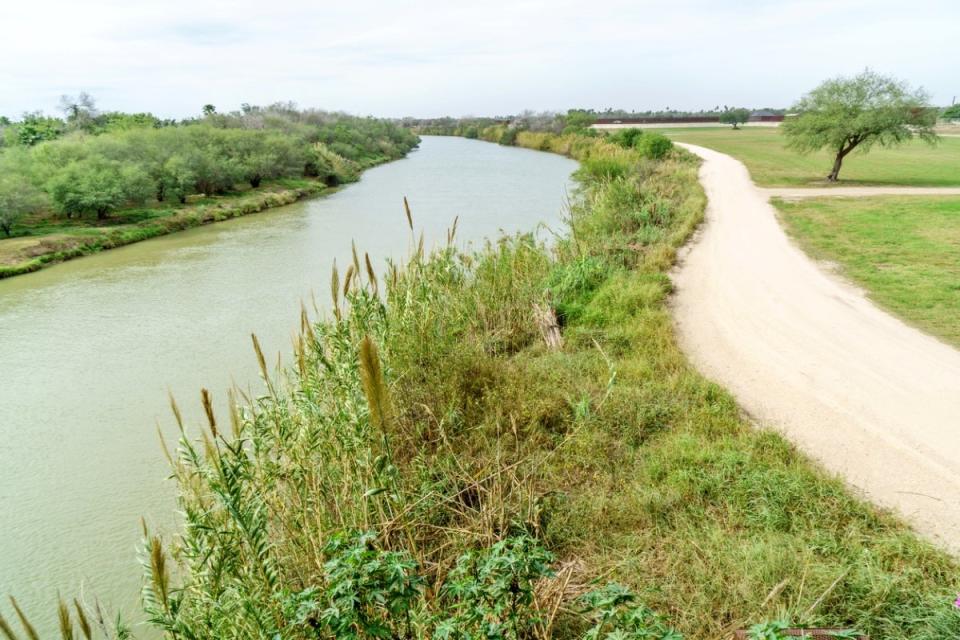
(90, 348)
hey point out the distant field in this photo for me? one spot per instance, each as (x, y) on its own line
(771, 164)
(903, 251)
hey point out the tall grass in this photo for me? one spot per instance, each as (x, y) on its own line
(429, 467)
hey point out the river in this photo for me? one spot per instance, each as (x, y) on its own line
(90, 348)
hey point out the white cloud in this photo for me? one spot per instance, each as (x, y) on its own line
(432, 58)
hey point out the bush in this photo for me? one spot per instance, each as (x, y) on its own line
(99, 186)
(655, 146)
(627, 138)
(509, 137)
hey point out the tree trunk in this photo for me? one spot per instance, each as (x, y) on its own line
(836, 167)
(842, 152)
(6, 228)
(101, 214)
(255, 181)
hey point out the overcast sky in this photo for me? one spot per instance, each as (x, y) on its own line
(455, 58)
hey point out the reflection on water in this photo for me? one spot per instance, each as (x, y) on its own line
(90, 348)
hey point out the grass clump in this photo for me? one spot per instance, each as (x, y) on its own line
(429, 467)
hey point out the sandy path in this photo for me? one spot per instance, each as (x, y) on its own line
(871, 398)
(791, 193)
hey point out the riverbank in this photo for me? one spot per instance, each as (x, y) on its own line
(88, 190)
(457, 425)
(26, 254)
(176, 313)
(69, 239)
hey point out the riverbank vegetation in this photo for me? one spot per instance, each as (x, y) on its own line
(901, 250)
(772, 164)
(435, 463)
(93, 182)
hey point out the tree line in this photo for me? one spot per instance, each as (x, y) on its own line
(91, 164)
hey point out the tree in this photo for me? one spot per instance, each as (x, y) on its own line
(17, 198)
(844, 114)
(209, 109)
(36, 127)
(99, 186)
(734, 116)
(80, 111)
(578, 120)
(951, 112)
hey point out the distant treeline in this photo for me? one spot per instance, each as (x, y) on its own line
(89, 163)
(539, 130)
(573, 121)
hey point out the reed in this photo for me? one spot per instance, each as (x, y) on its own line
(429, 464)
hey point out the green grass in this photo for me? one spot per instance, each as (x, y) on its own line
(462, 427)
(903, 251)
(614, 451)
(772, 165)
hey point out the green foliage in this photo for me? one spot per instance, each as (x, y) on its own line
(843, 114)
(126, 159)
(35, 128)
(578, 120)
(98, 186)
(572, 285)
(17, 199)
(617, 615)
(654, 146)
(735, 116)
(627, 138)
(951, 113)
(509, 136)
(489, 594)
(117, 121)
(428, 409)
(604, 167)
(771, 630)
(367, 592)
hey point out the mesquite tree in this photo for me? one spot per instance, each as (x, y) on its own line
(844, 114)
(735, 116)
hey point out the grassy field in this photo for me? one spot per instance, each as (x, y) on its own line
(771, 164)
(903, 251)
(46, 239)
(462, 427)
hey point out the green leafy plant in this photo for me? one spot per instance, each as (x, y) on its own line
(490, 591)
(617, 615)
(769, 630)
(367, 592)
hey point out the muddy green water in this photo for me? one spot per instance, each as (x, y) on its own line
(89, 349)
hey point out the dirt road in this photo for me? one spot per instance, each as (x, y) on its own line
(869, 397)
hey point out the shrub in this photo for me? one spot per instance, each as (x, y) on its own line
(655, 146)
(604, 167)
(627, 138)
(99, 186)
(509, 137)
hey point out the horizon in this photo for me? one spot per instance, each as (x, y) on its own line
(439, 60)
